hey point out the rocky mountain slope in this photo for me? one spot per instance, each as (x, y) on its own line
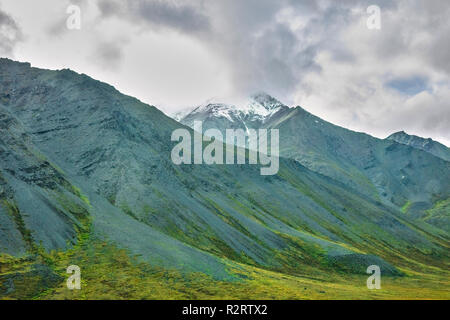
(384, 170)
(428, 145)
(77, 154)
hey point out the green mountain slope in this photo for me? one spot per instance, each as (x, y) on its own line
(394, 172)
(381, 169)
(201, 218)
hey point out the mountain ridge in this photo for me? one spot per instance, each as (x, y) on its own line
(426, 144)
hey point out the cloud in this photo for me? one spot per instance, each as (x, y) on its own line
(259, 52)
(10, 34)
(109, 54)
(317, 54)
(321, 54)
(178, 15)
(265, 45)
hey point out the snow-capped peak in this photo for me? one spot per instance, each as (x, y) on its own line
(217, 110)
(259, 107)
(263, 105)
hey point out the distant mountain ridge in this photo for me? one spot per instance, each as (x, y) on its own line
(428, 145)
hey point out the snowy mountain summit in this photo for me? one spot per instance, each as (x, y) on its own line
(258, 110)
(263, 105)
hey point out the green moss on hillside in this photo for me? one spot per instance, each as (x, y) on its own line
(109, 272)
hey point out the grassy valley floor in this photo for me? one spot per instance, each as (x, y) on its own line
(109, 272)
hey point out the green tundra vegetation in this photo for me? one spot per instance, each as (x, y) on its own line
(109, 272)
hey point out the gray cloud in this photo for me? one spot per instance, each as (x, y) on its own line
(260, 48)
(10, 34)
(109, 8)
(260, 53)
(279, 47)
(263, 51)
(109, 55)
(179, 15)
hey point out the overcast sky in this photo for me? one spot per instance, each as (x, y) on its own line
(320, 55)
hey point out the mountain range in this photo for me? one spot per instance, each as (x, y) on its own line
(381, 169)
(80, 160)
